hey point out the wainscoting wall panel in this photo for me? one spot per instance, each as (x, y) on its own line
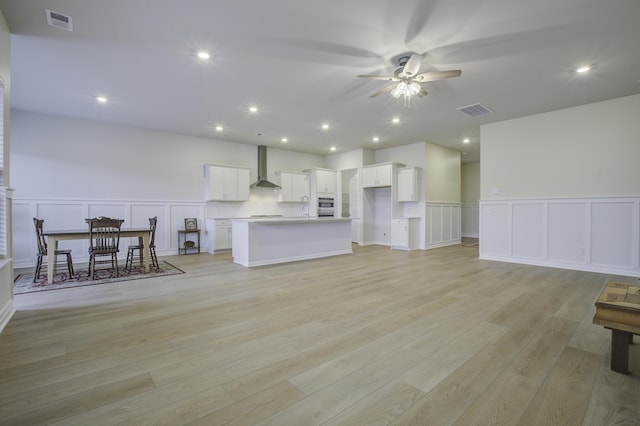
(442, 224)
(528, 230)
(590, 234)
(470, 220)
(71, 214)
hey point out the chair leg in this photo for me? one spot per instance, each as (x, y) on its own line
(114, 258)
(154, 257)
(70, 265)
(92, 267)
(36, 275)
(129, 259)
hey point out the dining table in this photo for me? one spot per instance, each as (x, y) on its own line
(53, 236)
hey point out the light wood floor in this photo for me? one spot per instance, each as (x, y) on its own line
(378, 337)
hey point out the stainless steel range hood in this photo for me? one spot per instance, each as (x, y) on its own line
(262, 181)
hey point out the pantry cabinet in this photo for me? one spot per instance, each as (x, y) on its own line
(226, 183)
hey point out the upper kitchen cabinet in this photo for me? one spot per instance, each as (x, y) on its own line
(295, 185)
(378, 175)
(226, 183)
(324, 181)
(408, 184)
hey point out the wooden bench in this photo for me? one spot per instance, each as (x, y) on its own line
(618, 309)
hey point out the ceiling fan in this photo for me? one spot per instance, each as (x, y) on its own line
(406, 80)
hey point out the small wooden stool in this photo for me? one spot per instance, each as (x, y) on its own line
(618, 309)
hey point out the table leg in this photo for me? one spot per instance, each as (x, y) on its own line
(620, 341)
(146, 252)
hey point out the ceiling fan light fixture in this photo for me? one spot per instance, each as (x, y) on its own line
(413, 89)
(399, 90)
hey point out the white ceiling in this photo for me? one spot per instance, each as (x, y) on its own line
(298, 61)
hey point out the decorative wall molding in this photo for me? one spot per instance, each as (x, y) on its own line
(441, 225)
(470, 224)
(587, 234)
(71, 214)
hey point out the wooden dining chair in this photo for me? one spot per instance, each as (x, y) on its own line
(104, 240)
(43, 254)
(131, 253)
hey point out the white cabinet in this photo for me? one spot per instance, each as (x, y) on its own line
(404, 233)
(376, 176)
(226, 183)
(324, 181)
(408, 184)
(294, 186)
(218, 235)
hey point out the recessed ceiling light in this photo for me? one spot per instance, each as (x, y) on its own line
(284, 140)
(466, 140)
(203, 55)
(376, 139)
(395, 120)
(325, 126)
(253, 109)
(219, 128)
(583, 69)
(333, 148)
(102, 99)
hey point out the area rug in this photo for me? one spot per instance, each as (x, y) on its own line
(24, 282)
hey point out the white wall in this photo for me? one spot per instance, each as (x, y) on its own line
(345, 160)
(470, 194)
(56, 157)
(470, 185)
(586, 151)
(442, 174)
(6, 265)
(567, 188)
(412, 155)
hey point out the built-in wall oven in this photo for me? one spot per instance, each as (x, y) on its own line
(325, 207)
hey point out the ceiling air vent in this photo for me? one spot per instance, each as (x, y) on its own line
(58, 20)
(475, 109)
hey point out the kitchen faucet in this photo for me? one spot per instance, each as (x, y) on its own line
(305, 201)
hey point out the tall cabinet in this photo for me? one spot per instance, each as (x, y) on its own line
(322, 183)
(379, 202)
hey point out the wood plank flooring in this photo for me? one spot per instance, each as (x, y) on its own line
(380, 337)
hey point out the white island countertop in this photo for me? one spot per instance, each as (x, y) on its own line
(268, 240)
(281, 220)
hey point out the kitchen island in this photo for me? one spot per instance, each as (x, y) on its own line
(265, 241)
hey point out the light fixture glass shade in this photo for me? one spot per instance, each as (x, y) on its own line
(413, 89)
(399, 90)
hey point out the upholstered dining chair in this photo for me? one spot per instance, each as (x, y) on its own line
(104, 240)
(131, 253)
(42, 251)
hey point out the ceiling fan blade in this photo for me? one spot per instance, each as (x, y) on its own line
(412, 66)
(385, 90)
(436, 75)
(380, 77)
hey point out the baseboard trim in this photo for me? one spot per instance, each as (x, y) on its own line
(560, 265)
(443, 244)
